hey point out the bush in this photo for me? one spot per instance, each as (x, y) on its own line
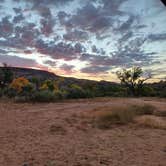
(143, 110)
(1, 92)
(151, 121)
(147, 91)
(19, 83)
(75, 92)
(163, 93)
(10, 92)
(107, 117)
(49, 85)
(44, 96)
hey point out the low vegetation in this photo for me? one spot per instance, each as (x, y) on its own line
(151, 121)
(105, 117)
(22, 89)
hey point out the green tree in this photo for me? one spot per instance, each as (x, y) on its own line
(132, 79)
(6, 75)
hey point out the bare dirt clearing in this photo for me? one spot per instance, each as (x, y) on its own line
(58, 134)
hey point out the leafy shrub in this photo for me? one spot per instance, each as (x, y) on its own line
(10, 92)
(49, 85)
(1, 92)
(19, 83)
(75, 92)
(6, 76)
(163, 93)
(147, 91)
(44, 96)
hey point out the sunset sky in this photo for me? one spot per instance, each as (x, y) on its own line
(89, 39)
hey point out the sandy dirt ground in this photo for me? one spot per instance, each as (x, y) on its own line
(57, 134)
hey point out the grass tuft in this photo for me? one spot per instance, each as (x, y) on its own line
(105, 117)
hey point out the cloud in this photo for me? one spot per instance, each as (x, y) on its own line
(98, 60)
(89, 18)
(95, 69)
(44, 11)
(6, 27)
(157, 37)
(50, 63)
(60, 50)
(37, 3)
(97, 50)
(126, 25)
(67, 67)
(18, 61)
(47, 26)
(22, 37)
(17, 10)
(76, 35)
(18, 18)
(126, 36)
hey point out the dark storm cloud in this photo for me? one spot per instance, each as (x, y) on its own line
(17, 61)
(157, 37)
(76, 35)
(95, 69)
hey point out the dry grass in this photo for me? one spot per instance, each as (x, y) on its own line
(160, 113)
(106, 117)
(151, 121)
(57, 129)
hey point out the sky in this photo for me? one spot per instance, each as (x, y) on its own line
(90, 39)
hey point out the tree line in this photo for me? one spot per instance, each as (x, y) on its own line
(132, 83)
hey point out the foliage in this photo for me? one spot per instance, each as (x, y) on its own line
(75, 91)
(19, 84)
(131, 78)
(1, 92)
(44, 96)
(6, 76)
(49, 85)
(147, 91)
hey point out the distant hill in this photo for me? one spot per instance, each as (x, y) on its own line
(44, 75)
(30, 73)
